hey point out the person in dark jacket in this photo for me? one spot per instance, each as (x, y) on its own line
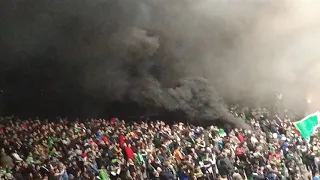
(166, 173)
(258, 175)
(17, 173)
(224, 164)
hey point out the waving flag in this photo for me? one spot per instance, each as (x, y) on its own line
(222, 132)
(308, 125)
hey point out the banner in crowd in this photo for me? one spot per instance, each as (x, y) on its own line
(308, 125)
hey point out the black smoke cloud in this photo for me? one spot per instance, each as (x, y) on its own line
(178, 55)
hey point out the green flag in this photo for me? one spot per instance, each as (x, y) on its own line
(308, 125)
(222, 133)
(139, 158)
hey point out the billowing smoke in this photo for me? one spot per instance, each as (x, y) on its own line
(180, 55)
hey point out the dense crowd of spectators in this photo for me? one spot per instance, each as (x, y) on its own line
(114, 149)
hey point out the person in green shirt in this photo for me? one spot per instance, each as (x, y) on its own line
(51, 141)
(103, 174)
(139, 158)
(30, 160)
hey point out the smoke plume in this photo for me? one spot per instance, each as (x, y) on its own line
(180, 55)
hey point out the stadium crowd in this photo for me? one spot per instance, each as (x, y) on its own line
(114, 149)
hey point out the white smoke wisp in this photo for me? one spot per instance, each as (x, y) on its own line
(277, 52)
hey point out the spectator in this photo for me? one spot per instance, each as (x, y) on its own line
(116, 149)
